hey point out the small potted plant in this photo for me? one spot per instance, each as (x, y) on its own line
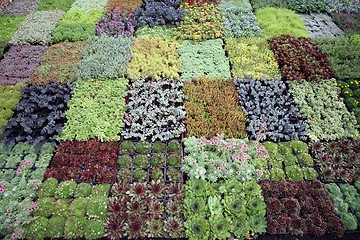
(158, 147)
(127, 147)
(124, 161)
(173, 159)
(157, 160)
(277, 174)
(139, 175)
(173, 174)
(157, 174)
(123, 175)
(143, 147)
(173, 146)
(141, 161)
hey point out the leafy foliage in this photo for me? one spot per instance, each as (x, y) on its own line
(156, 32)
(9, 97)
(37, 28)
(205, 59)
(327, 116)
(88, 5)
(20, 7)
(18, 189)
(279, 21)
(30, 126)
(201, 22)
(91, 161)
(224, 209)
(45, 5)
(350, 90)
(9, 24)
(57, 64)
(320, 25)
(269, 107)
(212, 109)
(155, 110)
(155, 58)
(257, 4)
(300, 58)
(3, 48)
(299, 207)
(160, 12)
(19, 63)
(138, 210)
(348, 22)
(215, 159)
(126, 5)
(338, 160)
(307, 6)
(251, 57)
(62, 216)
(346, 6)
(342, 207)
(118, 23)
(105, 57)
(105, 106)
(240, 21)
(344, 56)
(77, 25)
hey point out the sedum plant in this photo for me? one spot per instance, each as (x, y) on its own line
(270, 110)
(86, 5)
(57, 64)
(327, 116)
(251, 57)
(212, 108)
(156, 58)
(105, 105)
(201, 22)
(45, 5)
(239, 20)
(155, 110)
(37, 28)
(164, 32)
(205, 59)
(9, 25)
(215, 158)
(350, 91)
(124, 5)
(77, 25)
(280, 21)
(104, 57)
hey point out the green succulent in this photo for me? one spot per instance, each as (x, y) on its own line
(48, 188)
(271, 147)
(298, 146)
(97, 208)
(124, 161)
(284, 148)
(158, 147)
(257, 224)
(46, 207)
(195, 205)
(127, 147)
(290, 160)
(37, 228)
(75, 227)
(234, 206)
(174, 227)
(78, 207)
(241, 227)
(294, 172)
(252, 188)
(231, 186)
(157, 174)
(220, 227)
(61, 207)
(139, 175)
(349, 221)
(65, 189)
(55, 227)
(94, 229)
(197, 228)
(277, 174)
(173, 159)
(256, 206)
(310, 173)
(305, 160)
(173, 146)
(101, 190)
(83, 190)
(143, 147)
(215, 206)
(141, 161)
(197, 187)
(157, 160)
